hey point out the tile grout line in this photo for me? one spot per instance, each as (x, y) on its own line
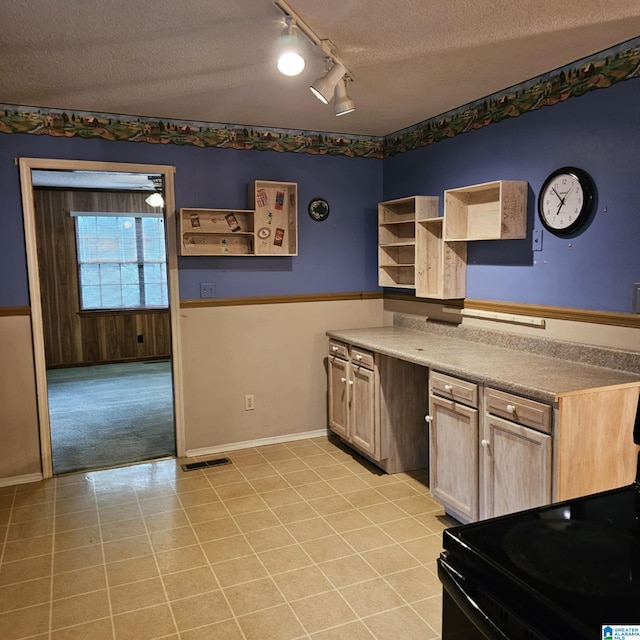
(259, 559)
(199, 543)
(155, 559)
(104, 562)
(314, 562)
(53, 556)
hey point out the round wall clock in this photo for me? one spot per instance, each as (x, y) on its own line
(318, 209)
(565, 201)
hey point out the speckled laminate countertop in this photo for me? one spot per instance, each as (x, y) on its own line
(529, 374)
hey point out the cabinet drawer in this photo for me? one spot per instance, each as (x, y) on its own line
(454, 388)
(517, 409)
(362, 358)
(339, 349)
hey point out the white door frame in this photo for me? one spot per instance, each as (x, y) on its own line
(27, 165)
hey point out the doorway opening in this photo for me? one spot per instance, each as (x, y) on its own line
(104, 304)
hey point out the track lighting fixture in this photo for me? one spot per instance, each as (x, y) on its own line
(290, 60)
(332, 84)
(323, 88)
(342, 103)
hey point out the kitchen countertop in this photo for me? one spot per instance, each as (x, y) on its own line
(533, 375)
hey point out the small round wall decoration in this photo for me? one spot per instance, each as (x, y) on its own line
(318, 209)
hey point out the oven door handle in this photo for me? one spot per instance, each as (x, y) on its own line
(458, 588)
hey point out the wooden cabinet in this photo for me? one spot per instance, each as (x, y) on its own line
(374, 407)
(491, 465)
(352, 397)
(441, 267)
(397, 238)
(268, 228)
(276, 217)
(339, 395)
(489, 211)
(516, 454)
(363, 417)
(453, 444)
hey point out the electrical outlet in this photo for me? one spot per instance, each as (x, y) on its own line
(207, 289)
(249, 404)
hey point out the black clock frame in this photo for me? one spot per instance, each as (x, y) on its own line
(588, 191)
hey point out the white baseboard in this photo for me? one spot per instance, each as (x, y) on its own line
(247, 444)
(10, 482)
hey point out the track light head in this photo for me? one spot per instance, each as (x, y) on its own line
(342, 103)
(323, 87)
(290, 60)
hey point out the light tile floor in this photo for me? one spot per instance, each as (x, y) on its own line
(296, 540)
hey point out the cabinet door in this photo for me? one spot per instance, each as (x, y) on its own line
(453, 468)
(339, 396)
(517, 467)
(362, 410)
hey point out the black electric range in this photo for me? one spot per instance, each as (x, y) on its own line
(558, 572)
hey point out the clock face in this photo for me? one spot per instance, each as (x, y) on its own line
(565, 201)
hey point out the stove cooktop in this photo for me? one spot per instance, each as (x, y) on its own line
(574, 565)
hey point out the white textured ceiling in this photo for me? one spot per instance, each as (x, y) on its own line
(213, 60)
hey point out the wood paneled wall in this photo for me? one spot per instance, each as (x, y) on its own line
(71, 337)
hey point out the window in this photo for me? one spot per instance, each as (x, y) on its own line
(121, 261)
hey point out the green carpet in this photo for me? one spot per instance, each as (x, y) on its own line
(110, 415)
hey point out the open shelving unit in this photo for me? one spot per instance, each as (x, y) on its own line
(268, 228)
(205, 232)
(397, 250)
(419, 250)
(489, 211)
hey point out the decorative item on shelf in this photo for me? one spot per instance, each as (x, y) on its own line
(566, 201)
(318, 209)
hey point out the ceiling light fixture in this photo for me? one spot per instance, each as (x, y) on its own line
(323, 88)
(156, 198)
(332, 84)
(290, 60)
(342, 103)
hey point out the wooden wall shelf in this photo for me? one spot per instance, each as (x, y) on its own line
(490, 211)
(419, 250)
(268, 228)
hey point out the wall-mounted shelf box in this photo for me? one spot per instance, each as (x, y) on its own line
(490, 211)
(419, 250)
(441, 267)
(208, 232)
(397, 252)
(276, 217)
(269, 228)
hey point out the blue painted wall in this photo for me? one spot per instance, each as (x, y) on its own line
(599, 132)
(337, 255)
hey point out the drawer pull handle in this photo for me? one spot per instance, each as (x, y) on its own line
(350, 381)
(484, 443)
(358, 357)
(448, 388)
(334, 348)
(511, 408)
(427, 418)
(343, 379)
